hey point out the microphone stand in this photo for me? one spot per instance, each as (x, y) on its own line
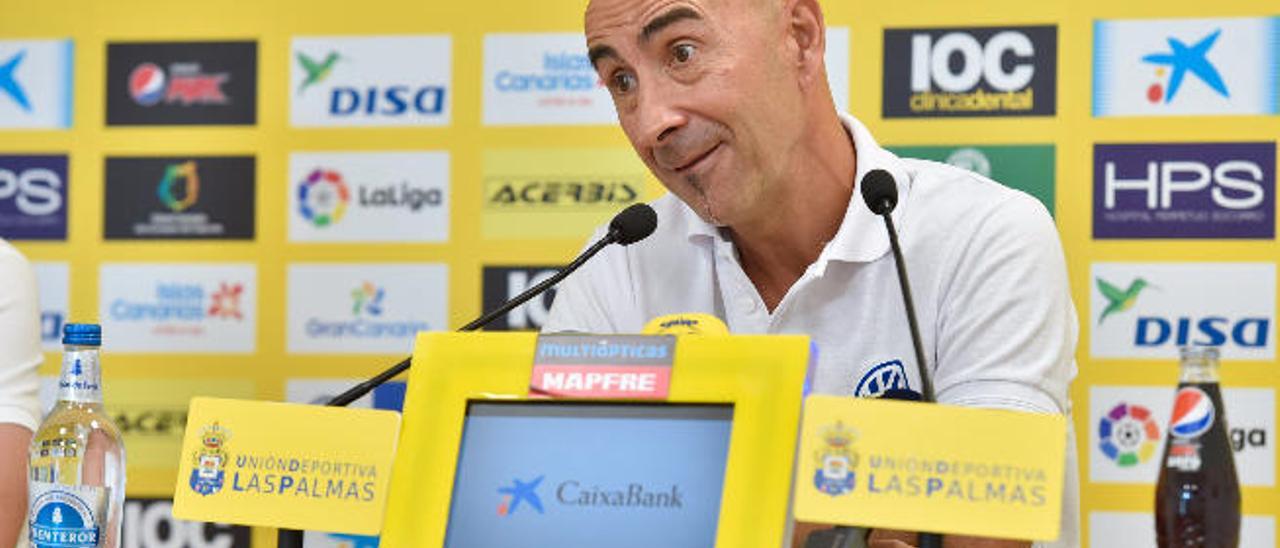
(292, 538)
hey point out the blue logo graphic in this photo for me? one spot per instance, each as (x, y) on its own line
(520, 491)
(354, 541)
(1183, 58)
(63, 520)
(9, 84)
(890, 375)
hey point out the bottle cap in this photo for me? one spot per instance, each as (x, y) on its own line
(82, 334)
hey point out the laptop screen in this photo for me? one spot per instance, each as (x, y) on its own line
(539, 474)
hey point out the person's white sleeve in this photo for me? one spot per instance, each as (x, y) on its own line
(583, 300)
(1007, 328)
(20, 352)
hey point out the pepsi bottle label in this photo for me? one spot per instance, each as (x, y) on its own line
(66, 516)
(1193, 416)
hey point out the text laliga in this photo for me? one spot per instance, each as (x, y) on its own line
(641, 383)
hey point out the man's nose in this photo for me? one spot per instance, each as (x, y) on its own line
(659, 111)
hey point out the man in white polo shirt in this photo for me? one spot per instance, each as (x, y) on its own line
(727, 103)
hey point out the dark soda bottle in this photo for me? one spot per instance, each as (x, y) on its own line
(1197, 496)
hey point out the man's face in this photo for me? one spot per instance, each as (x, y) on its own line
(707, 91)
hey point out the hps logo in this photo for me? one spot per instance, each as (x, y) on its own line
(987, 71)
(520, 493)
(1184, 190)
(1149, 310)
(371, 81)
(1160, 67)
(33, 197)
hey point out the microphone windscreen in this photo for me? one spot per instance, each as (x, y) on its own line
(879, 191)
(633, 224)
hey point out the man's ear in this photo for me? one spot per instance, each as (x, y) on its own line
(808, 32)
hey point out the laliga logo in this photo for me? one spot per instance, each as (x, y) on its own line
(931, 62)
(323, 197)
(185, 84)
(1193, 413)
(1128, 434)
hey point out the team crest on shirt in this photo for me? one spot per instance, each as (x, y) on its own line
(890, 375)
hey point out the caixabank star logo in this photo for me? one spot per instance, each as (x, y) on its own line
(970, 71)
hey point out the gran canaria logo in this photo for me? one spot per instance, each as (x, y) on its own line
(836, 460)
(210, 461)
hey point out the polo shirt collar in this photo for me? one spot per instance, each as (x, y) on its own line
(861, 237)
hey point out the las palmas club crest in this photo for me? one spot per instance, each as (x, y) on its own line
(836, 460)
(210, 461)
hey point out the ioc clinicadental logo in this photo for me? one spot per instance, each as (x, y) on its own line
(836, 460)
(210, 461)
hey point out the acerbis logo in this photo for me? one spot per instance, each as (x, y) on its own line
(989, 71)
(323, 197)
(566, 192)
(1160, 67)
(180, 187)
(185, 84)
(1226, 305)
(1128, 434)
(1180, 60)
(520, 493)
(36, 83)
(33, 197)
(1184, 190)
(371, 81)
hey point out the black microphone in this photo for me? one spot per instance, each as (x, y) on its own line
(880, 192)
(629, 226)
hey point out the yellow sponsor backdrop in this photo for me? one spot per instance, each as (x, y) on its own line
(273, 23)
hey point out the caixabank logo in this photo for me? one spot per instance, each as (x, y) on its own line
(35, 84)
(578, 188)
(1167, 67)
(186, 198)
(970, 71)
(1029, 168)
(370, 309)
(149, 523)
(1185, 190)
(370, 81)
(1130, 424)
(187, 308)
(368, 197)
(502, 283)
(1149, 310)
(33, 197)
(182, 83)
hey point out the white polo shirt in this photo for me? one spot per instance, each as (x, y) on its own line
(20, 352)
(987, 274)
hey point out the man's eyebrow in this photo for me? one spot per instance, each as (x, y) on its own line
(599, 52)
(667, 19)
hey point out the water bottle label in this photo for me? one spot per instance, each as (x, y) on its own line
(66, 516)
(81, 378)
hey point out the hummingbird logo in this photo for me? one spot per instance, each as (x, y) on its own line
(1182, 59)
(1120, 300)
(316, 71)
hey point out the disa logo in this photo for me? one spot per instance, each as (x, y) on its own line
(371, 81)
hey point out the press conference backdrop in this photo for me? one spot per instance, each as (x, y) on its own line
(266, 199)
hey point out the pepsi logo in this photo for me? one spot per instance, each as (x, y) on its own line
(1193, 413)
(147, 84)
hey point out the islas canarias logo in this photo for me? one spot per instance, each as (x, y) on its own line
(210, 461)
(323, 197)
(179, 189)
(1180, 60)
(1128, 434)
(1120, 300)
(520, 494)
(836, 460)
(224, 302)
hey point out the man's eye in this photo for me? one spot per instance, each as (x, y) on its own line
(623, 82)
(683, 52)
